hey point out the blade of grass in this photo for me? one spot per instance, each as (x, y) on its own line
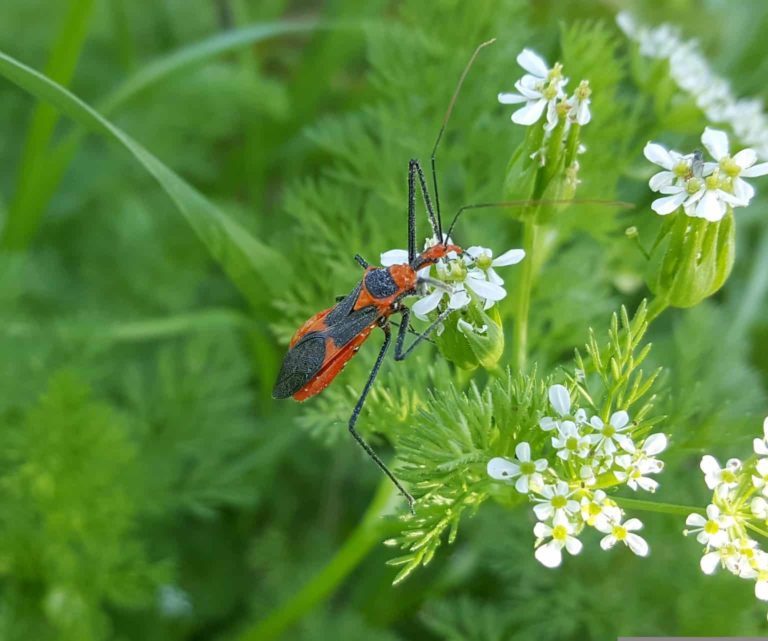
(58, 160)
(23, 214)
(249, 263)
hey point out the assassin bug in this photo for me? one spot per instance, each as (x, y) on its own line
(324, 344)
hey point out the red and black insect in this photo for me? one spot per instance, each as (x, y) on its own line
(322, 346)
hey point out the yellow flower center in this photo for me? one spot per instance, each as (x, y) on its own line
(527, 468)
(483, 261)
(572, 443)
(711, 527)
(682, 169)
(728, 477)
(693, 185)
(620, 532)
(729, 167)
(559, 533)
(559, 502)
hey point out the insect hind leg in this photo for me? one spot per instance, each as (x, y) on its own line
(400, 352)
(359, 406)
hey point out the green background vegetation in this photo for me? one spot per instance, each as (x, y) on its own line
(149, 486)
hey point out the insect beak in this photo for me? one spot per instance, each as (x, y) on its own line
(438, 284)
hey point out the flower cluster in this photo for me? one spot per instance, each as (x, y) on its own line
(541, 91)
(585, 455)
(691, 71)
(703, 189)
(739, 506)
(468, 277)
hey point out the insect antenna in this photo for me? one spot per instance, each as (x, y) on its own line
(446, 118)
(512, 204)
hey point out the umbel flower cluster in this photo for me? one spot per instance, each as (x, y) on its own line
(739, 507)
(690, 69)
(467, 278)
(581, 456)
(541, 92)
(703, 189)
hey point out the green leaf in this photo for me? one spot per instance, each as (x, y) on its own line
(247, 261)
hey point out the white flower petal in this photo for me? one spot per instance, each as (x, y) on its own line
(549, 555)
(710, 207)
(533, 63)
(511, 257)
(661, 179)
(637, 544)
(394, 257)
(560, 399)
(501, 469)
(658, 155)
(485, 289)
(709, 562)
(459, 299)
(761, 590)
(619, 419)
(573, 545)
(521, 485)
(668, 204)
(543, 511)
(745, 158)
(530, 113)
(607, 542)
(655, 444)
(523, 452)
(756, 170)
(422, 307)
(511, 98)
(716, 142)
(695, 520)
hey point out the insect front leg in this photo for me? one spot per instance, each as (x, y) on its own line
(356, 412)
(400, 353)
(361, 261)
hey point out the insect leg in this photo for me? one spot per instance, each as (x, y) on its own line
(361, 261)
(411, 331)
(424, 336)
(411, 212)
(436, 230)
(356, 412)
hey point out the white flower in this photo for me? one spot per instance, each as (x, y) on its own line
(560, 400)
(561, 532)
(635, 467)
(761, 444)
(556, 501)
(720, 479)
(526, 471)
(727, 556)
(471, 273)
(709, 201)
(483, 259)
(570, 442)
(599, 509)
(760, 481)
(610, 436)
(676, 166)
(759, 508)
(711, 531)
(624, 533)
(579, 104)
(539, 89)
(742, 164)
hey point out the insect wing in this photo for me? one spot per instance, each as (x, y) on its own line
(323, 352)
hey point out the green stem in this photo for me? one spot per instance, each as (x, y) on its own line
(23, 219)
(520, 346)
(661, 508)
(655, 309)
(367, 534)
